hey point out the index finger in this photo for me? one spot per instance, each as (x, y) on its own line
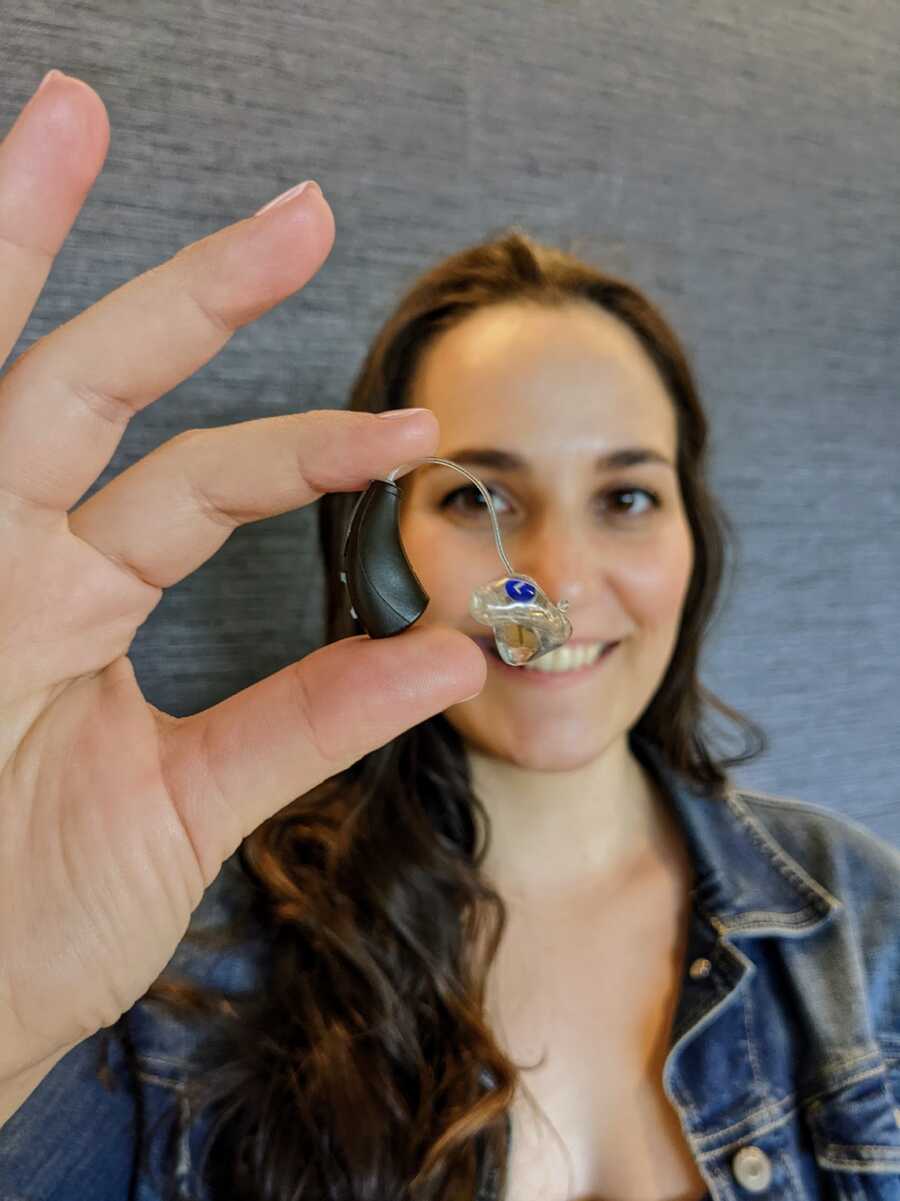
(65, 404)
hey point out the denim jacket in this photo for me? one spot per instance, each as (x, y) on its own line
(784, 1055)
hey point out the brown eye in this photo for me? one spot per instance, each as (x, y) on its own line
(632, 492)
(473, 501)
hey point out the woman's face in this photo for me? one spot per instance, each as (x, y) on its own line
(556, 389)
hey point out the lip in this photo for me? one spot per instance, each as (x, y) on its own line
(548, 679)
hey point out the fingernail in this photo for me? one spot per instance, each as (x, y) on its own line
(50, 75)
(296, 190)
(401, 412)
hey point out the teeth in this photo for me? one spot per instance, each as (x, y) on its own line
(568, 658)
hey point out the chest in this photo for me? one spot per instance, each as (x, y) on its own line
(586, 990)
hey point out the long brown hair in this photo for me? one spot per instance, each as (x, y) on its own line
(362, 1066)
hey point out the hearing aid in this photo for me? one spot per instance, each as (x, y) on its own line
(387, 597)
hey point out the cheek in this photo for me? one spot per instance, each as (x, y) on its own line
(654, 582)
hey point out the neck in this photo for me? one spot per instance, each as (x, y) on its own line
(555, 831)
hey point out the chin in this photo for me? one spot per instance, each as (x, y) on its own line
(535, 749)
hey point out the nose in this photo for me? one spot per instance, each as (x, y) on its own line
(557, 556)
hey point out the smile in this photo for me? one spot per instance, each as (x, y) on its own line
(548, 679)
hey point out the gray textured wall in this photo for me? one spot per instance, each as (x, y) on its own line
(737, 160)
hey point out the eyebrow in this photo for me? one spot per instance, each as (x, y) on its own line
(507, 460)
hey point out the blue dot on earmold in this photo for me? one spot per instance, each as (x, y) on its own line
(520, 590)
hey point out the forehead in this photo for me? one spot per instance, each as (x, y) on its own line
(547, 381)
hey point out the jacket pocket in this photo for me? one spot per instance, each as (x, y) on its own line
(855, 1129)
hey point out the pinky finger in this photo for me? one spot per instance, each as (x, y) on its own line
(49, 161)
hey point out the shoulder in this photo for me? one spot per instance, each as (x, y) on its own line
(860, 870)
(836, 849)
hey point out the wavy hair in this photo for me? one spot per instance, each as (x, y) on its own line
(362, 1066)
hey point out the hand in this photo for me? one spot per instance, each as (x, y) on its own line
(114, 816)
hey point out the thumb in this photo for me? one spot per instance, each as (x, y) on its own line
(236, 764)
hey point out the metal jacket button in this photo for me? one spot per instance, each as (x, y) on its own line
(752, 1169)
(700, 968)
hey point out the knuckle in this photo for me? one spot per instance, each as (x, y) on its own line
(219, 324)
(180, 275)
(209, 507)
(27, 356)
(310, 726)
(217, 511)
(206, 505)
(185, 436)
(116, 410)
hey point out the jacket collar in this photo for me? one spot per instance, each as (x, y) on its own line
(747, 882)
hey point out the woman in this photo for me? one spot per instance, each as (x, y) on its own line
(550, 876)
(551, 889)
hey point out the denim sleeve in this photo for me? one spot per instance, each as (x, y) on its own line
(873, 903)
(875, 866)
(74, 1137)
(78, 1138)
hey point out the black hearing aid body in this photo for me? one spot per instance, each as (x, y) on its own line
(386, 595)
